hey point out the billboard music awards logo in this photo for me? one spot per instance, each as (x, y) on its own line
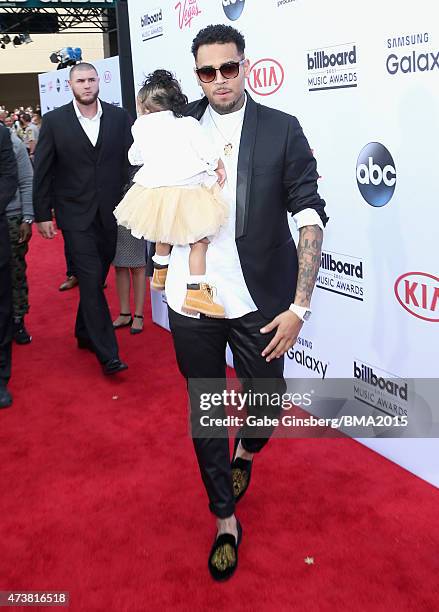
(233, 8)
(66, 85)
(342, 274)
(332, 67)
(43, 88)
(418, 294)
(299, 353)
(187, 11)
(152, 24)
(107, 76)
(376, 174)
(266, 77)
(407, 61)
(380, 389)
(58, 85)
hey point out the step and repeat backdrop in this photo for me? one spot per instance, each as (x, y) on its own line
(364, 83)
(55, 89)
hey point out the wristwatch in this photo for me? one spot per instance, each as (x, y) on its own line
(301, 311)
(29, 221)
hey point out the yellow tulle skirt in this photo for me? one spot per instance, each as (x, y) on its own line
(173, 215)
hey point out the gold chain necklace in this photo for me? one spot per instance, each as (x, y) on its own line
(228, 147)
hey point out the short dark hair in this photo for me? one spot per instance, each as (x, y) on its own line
(81, 66)
(162, 91)
(220, 34)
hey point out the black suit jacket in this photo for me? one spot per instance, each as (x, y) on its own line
(276, 174)
(8, 169)
(76, 178)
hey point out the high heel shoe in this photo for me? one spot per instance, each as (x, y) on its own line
(120, 325)
(135, 330)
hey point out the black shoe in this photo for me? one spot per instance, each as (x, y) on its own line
(114, 366)
(120, 325)
(85, 344)
(241, 473)
(223, 557)
(137, 330)
(5, 397)
(21, 335)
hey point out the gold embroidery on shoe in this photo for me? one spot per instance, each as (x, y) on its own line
(224, 557)
(240, 481)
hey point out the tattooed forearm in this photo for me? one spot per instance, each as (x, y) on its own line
(309, 253)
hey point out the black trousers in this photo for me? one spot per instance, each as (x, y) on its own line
(200, 346)
(5, 303)
(70, 268)
(92, 252)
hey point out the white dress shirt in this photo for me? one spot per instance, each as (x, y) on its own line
(90, 126)
(222, 263)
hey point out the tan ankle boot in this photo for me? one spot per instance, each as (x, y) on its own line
(200, 301)
(159, 278)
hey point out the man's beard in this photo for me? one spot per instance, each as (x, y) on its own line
(87, 101)
(230, 107)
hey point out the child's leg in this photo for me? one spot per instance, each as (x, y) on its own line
(161, 250)
(160, 262)
(197, 260)
(199, 294)
(123, 291)
(139, 289)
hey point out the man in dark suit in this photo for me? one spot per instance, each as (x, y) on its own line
(8, 188)
(81, 165)
(264, 282)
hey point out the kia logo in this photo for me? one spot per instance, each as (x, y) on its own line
(418, 293)
(233, 8)
(376, 174)
(266, 77)
(107, 76)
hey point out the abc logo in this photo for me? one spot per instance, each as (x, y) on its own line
(376, 174)
(233, 8)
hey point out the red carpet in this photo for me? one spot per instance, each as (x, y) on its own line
(100, 493)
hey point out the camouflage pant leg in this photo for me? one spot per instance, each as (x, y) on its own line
(18, 269)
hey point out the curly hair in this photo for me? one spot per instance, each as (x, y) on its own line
(162, 91)
(221, 34)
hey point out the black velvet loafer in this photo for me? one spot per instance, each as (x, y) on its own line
(223, 558)
(241, 473)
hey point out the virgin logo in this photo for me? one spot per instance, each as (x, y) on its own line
(418, 293)
(266, 77)
(187, 10)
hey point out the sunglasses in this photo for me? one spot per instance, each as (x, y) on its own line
(229, 70)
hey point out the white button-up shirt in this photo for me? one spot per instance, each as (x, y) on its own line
(90, 126)
(223, 266)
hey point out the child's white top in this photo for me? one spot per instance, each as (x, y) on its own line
(175, 151)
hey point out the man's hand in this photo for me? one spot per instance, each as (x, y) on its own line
(288, 327)
(47, 229)
(25, 233)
